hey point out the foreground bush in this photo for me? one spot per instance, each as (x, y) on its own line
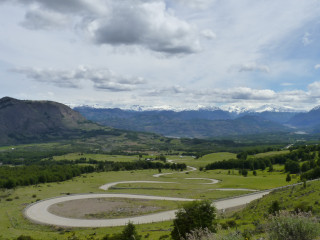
(128, 233)
(206, 234)
(193, 215)
(292, 226)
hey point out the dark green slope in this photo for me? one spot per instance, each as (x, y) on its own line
(27, 121)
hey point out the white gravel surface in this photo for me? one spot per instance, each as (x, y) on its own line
(39, 213)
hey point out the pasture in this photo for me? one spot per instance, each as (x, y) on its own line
(187, 185)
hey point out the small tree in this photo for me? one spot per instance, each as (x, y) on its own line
(244, 172)
(242, 155)
(193, 215)
(288, 178)
(130, 232)
(23, 237)
(274, 208)
(270, 168)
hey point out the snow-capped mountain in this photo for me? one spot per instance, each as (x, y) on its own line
(258, 109)
(141, 108)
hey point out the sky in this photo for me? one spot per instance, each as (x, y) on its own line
(177, 54)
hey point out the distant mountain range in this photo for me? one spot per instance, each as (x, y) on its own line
(204, 123)
(23, 121)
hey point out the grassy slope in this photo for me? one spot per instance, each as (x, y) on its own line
(268, 154)
(98, 157)
(289, 198)
(206, 159)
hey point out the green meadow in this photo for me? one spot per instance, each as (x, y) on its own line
(13, 223)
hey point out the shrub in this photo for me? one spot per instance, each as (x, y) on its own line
(244, 172)
(128, 233)
(288, 178)
(231, 223)
(193, 215)
(290, 226)
(23, 237)
(274, 208)
(302, 207)
(206, 234)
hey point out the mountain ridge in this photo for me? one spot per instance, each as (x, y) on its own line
(188, 123)
(26, 120)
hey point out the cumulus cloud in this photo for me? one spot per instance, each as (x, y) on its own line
(317, 66)
(102, 78)
(173, 90)
(200, 4)
(314, 89)
(62, 79)
(253, 94)
(147, 24)
(306, 39)
(62, 6)
(249, 67)
(209, 34)
(36, 19)
(287, 84)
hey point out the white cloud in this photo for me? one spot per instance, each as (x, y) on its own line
(306, 40)
(314, 89)
(249, 67)
(147, 24)
(102, 78)
(253, 37)
(287, 84)
(317, 66)
(200, 4)
(41, 19)
(209, 34)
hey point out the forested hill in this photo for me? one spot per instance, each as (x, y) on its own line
(24, 121)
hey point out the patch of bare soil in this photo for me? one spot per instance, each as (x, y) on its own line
(102, 208)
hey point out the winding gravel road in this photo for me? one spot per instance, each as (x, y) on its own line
(38, 212)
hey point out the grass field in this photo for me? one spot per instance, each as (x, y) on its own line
(273, 153)
(13, 224)
(98, 157)
(12, 203)
(203, 161)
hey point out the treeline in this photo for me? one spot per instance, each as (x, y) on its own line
(48, 171)
(138, 165)
(11, 177)
(302, 159)
(18, 157)
(311, 174)
(250, 164)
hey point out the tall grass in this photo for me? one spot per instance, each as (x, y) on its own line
(291, 226)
